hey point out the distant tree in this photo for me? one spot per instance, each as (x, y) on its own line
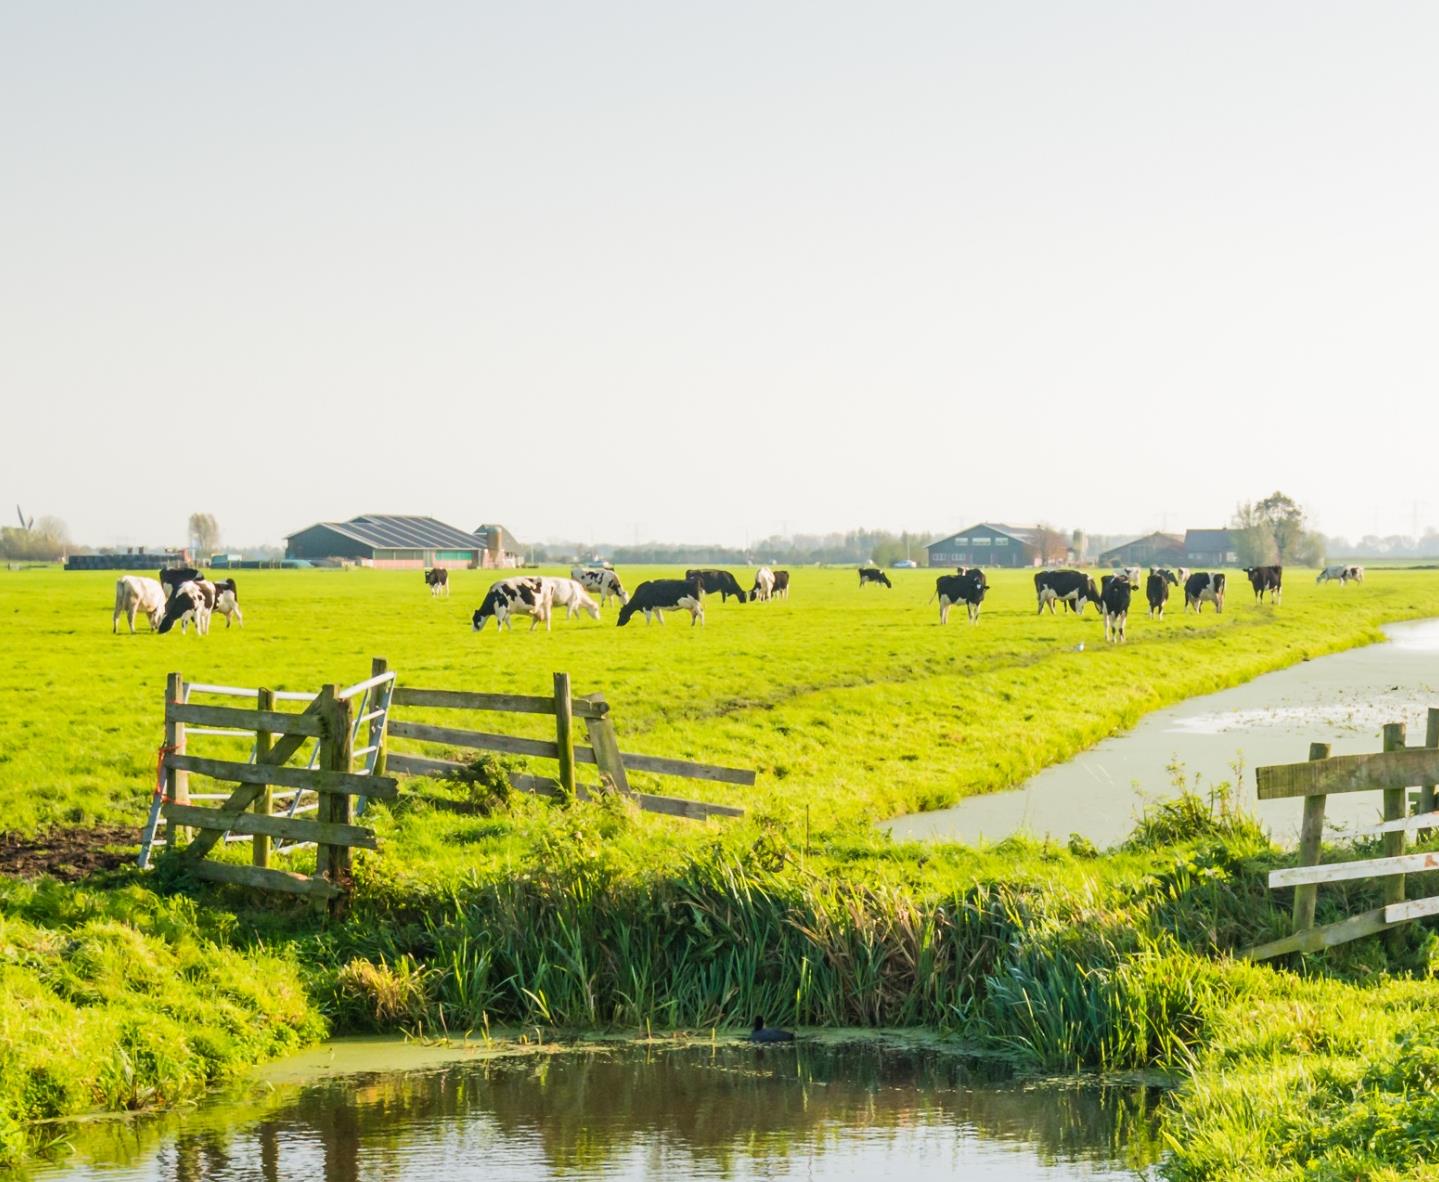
(1051, 543)
(45, 540)
(204, 533)
(1271, 530)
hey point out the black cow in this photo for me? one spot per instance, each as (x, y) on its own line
(1073, 586)
(872, 574)
(967, 588)
(523, 595)
(1266, 578)
(1156, 589)
(658, 596)
(715, 582)
(172, 577)
(781, 584)
(437, 580)
(193, 599)
(1202, 585)
(1114, 602)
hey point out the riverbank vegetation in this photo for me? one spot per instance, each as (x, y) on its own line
(486, 909)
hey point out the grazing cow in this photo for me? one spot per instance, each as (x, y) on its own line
(967, 588)
(172, 578)
(763, 587)
(227, 601)
(1266, 578)
(1343, 573)
(1074, 587)
(719, 582)
(1133, 574)
(658, 596)
(1156, 589)
(571, 595)
(135, 594)
(193, 600)
(781, 584)
(1200, 586)
(872, 574)
(526, 595)
(1114, 602)
(437, 580)
(603, 583)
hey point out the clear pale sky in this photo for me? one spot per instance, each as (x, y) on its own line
(705, 272)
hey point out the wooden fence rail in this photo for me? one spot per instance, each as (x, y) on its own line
(1393, 771)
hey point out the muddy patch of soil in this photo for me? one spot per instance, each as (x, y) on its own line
(67, 854)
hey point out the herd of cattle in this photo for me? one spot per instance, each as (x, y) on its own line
(183, 595)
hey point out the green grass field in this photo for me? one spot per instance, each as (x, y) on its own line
(853, 705)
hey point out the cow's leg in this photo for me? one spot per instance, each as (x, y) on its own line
(944, 611)
(659, 615)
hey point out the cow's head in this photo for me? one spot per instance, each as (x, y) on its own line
(183, 602)
(489, 608)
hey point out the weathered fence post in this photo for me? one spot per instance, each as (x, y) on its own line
(606, 747)
(1396, 805)
(332, 861)
(1431, 739)
(177, 783)
(1311, 837)
(565, 733)
(265, 802)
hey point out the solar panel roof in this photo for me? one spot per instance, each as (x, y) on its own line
(387, 531)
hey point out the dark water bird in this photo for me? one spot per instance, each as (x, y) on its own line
(763, 1033)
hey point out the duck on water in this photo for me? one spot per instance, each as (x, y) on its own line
(763, 1033)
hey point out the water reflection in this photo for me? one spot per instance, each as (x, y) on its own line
(649, 1113)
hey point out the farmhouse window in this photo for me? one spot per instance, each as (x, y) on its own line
(1001, 541)
(979, 542)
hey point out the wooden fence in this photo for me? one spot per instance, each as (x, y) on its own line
(603, 751)
(333, 718)
(1394, 771)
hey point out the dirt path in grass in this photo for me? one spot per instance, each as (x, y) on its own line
(67, 854)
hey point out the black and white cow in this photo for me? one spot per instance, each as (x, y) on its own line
(716, 582)
(763, 588)
(658, 596)
(781, 584)
(1156, 589)
(437, 579)
(1074, 587)
(191, 601)
(525, 595)
(603, 583)
(967, 587)
(1343, 573)
(872, 574)
(172, 577)
(1266, 578)
(1114, 602)
(1202, 586)
(136, 594)
(227, 601)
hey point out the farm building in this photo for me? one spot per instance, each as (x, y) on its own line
(1209, 547)
(989, 544)
(501, 548)
(385, 540)
(1154, 549)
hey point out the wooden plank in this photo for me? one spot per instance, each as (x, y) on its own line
(547, 786)
(565, 733)
(302, 778)
(1317, 939)
(1415, 863)
(477, 740)
(265, 802)
(276, 721)
(404, 764)
(1427, 801)
(336, 754)
(245, 794)
(1349, 773)
(1403, 824)
(291, 828)
(177, 785)
(696, 810)
(690, 771)
(1311, 840)
(605, 749)
(1411, 909)
(504, 703)
(379, 725)
(265, 880)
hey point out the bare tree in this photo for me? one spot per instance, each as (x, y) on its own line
(204, 532)
(1050, 543)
